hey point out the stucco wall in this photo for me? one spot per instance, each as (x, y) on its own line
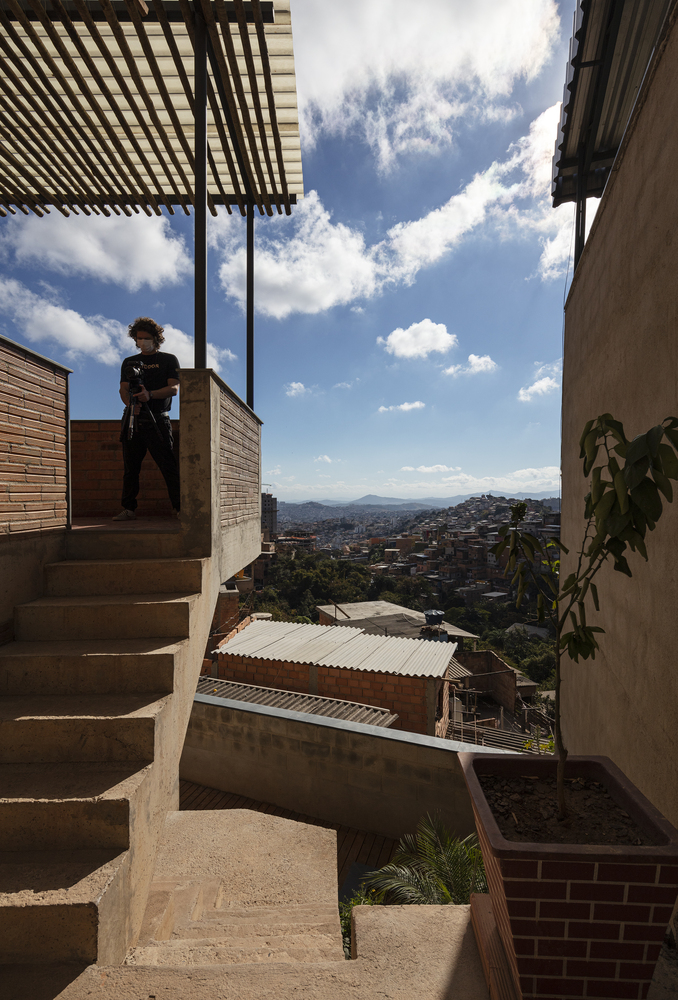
(362, 776)
(621, 356)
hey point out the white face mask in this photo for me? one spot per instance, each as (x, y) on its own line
(145, 345)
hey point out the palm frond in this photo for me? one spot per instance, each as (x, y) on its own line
(431, 866)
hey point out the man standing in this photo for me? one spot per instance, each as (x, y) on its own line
(160, 378)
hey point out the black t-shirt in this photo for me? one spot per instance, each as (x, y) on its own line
(157, 369)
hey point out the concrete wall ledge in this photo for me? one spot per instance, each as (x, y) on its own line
(336, 771)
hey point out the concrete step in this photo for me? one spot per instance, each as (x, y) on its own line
(52, 903)
(90, 577)
(126, 616)
(93, 666)
(79, 728)
(121, 541)
(306, 946)
(61, 807)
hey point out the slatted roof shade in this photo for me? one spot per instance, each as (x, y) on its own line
(611, 45)
(97, 106)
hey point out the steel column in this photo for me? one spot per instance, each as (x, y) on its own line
(250, 304)
(580, 209)
(200, 189)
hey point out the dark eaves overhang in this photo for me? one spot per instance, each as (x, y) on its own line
(611, 46)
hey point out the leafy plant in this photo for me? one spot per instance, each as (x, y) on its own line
(623, 504)
(430, 866)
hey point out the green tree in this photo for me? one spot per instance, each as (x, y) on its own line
(624, 503)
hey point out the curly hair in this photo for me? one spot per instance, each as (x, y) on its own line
(149, 326)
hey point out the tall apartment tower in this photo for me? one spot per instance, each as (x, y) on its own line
(269, 514)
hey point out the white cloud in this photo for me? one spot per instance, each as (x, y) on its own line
(296, 389)
(545, 380)
(477, 365)
(419, 340)
(403, 75)
(529, 480)
(131, 252)
(41, 319)
(323, 458)
(308, 264)
(273, 472)
(342, 385)
(45, 319)
(431, 468)
(404, 407)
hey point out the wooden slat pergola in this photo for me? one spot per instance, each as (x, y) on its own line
(114, 107)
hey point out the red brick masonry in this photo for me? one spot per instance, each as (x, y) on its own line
(405, 696)
(579, 921)
(32, 441)
(96, 472)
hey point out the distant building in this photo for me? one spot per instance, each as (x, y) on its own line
(269, 514)
(384, 618)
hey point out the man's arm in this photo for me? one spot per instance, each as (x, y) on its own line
(171, 389)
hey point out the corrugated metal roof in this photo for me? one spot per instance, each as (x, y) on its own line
(346, 648)
(292, 701)
(611, 45)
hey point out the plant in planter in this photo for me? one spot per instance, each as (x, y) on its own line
(581, 918)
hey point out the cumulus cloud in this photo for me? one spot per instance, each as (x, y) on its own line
(274, 472)
(323, 458)
(43, 318)
(342, 385)
(308, 263)
(431, 468)
(419, 340)
(404, 407)
(545, 380)
(477, 365)
(381, 70)
(131, 252)
(296, 389)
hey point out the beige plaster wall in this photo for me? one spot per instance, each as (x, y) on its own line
(621, 356)
(356, 775)
(22, 558)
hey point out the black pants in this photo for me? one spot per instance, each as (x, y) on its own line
(146, 439)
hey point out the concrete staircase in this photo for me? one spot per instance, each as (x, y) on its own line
(239, 886)
(99, 679)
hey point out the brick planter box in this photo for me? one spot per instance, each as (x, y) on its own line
(577, 921)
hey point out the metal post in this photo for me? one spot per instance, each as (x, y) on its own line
(200, 187)
(250, 304)
(580, 210)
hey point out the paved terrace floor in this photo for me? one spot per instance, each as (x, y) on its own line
(353, 846)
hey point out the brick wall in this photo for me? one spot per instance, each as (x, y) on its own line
(405, 696)
(501, 683)
(33, 442)
(96, 472)
(240, 479)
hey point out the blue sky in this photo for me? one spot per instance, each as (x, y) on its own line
(408, 333)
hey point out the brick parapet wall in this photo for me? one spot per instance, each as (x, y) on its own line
(97, 469)
(404, 696)
(33, 441)
(240, 478)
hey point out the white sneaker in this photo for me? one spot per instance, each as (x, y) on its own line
(125, 515)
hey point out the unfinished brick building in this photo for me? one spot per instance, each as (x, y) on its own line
(407, 676)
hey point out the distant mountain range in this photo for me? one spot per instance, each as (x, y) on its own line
(421, 503)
